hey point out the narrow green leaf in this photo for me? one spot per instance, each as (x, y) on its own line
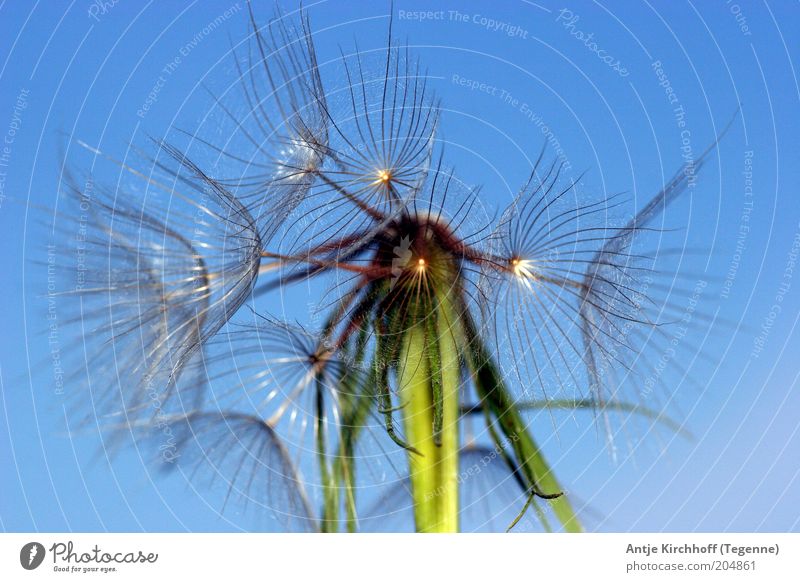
(589, 404)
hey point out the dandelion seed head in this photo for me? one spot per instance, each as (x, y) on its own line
(388, 227)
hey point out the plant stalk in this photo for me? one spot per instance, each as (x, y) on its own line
(434, 469)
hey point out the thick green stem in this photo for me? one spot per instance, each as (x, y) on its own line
(434, 468)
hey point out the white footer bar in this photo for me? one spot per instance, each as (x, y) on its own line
(390, 557)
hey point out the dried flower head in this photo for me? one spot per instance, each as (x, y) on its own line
(431, 324)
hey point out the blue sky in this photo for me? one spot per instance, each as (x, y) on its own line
(601, 82)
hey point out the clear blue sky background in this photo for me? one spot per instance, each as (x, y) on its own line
(83, 76)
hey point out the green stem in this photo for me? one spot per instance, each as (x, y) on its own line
(528, 457)
(330, 517)
(434, 468)
(451, 380)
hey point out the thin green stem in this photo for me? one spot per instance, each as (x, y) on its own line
(330, 494)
